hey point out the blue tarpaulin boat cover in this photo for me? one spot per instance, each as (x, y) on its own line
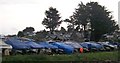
(91, 45)
(19, 44)
(16, 44)
(67, 49)
(47, 45)
(73, 44)
(34, 45)
(84, 45)
(98, 46)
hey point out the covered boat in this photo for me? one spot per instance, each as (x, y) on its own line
(16, 44)
(47, 45)
(34, 45)
(92, 46)
(66, 48)
(75, 45)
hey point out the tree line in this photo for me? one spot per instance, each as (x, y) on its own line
(90, 17)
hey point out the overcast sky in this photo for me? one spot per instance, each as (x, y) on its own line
(16, 15)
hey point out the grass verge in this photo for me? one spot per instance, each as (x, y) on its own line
(92, 56)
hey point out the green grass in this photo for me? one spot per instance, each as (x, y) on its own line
(92, 56)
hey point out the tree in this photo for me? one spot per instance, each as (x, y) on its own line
(52, 19)
(71, 24)
(92, 17)
(28, 30)
(81, 17)
(20, 34)
(101, 21)
(63, 30)
(41, 35)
